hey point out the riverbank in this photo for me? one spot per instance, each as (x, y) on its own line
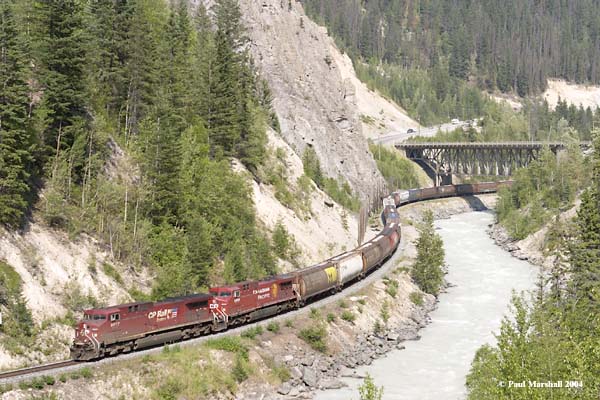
(358, 328)
(482, 277)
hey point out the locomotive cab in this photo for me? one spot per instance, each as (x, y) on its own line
(86, 345)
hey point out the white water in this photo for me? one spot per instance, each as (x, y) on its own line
(436, 366)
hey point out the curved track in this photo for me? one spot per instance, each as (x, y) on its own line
(70, 365)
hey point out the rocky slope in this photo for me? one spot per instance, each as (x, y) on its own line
(315, 104)
(359, 328)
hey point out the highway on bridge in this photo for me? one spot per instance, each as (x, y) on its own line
(389, 139)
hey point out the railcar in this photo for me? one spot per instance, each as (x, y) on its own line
(127, 327)
(252, 300)
(349, 267)
(316, 280)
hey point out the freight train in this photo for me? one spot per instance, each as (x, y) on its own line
(128, 327)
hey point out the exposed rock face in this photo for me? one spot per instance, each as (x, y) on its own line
(315, 105)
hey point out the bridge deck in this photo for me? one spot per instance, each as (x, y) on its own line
(484, 145)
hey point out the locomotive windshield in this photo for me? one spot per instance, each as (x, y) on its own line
(225, 294)
(93, 317)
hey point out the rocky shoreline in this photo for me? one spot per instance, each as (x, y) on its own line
(319, 371)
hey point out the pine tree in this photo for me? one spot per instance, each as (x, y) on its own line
(585, 253)
(230, 41)
(427, 271)
(61, 52)
(15, 136)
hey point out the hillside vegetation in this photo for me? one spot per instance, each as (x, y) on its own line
(120, 120)
(552, 337)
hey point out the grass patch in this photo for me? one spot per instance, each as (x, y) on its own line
(112, 272)
(252, 333)
(348, 315)
(316, 337)
(416, 298)
(342, 304)
(391, 286)
(315, 313)
(273, 327)
(330, 317)
(232, 344)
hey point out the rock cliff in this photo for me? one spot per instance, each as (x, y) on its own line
(316, 106)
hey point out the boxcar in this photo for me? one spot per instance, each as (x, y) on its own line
(486, 187)
(446, 190)
(464, 189)
(372, 255)
(400, 197)
(414, 195)
(429, 193)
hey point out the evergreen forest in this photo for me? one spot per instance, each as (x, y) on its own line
(435, 56)
(120, 119)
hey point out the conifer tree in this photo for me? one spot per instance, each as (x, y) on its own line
(585, 254)
(427, 271)
(15, 138)
(61, 52)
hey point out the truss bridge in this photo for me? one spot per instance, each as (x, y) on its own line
(442, 160)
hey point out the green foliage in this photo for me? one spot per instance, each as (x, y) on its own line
(391, 286)
(342, 304)
(315, 313)
(112, 272)
(547, 186)
(416, 298)
(169, 390)
(459, 42)
(385, 312)
(348, 316)
(273, 327)
(252, 333)
(315, 336)
(232, 344)
(16, 146)
(378, 327)
(562, 316)
(427, 271)
(86, 372)
(369, 391)
(397, 171)
(18, 324)
(330, 317)
(284, 244)
(340, 193)
(240, 370)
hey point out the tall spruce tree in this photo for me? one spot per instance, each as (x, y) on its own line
(15, 136)
(585, 253)
(427, 271)
(230, 41)
(61, 53)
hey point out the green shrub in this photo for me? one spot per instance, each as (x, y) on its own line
(63, 378)
(49, 380)
(391, 287)
(111, 272)
(342, 304)
(289, 323)
(398, 171)
(378, 327)
(253, 332)
(273, 327)
(330, 317)
(315, 336)
(315, 313)
(169, 390)
(240, 370)
(86, 372)
(232, 344)
(385, 312)
(348, 315)
(362, 302)
(416, 298)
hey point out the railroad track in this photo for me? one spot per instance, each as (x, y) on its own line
(37, 369)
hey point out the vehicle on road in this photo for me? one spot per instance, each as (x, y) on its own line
(410, 130)
(455, 121)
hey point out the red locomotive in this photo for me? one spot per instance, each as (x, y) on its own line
(128, 327)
